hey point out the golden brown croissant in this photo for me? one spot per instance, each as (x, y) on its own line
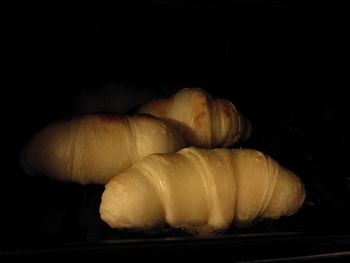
(203, 121)
(201, 190)
(93, 148)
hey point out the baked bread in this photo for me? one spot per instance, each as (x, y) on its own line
(202, 120)
(202, 191)
(92, 148)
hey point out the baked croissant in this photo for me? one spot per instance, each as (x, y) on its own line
(201, 190)
(93, 148)
(203, 121)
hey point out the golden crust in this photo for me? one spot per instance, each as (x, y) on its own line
(93, 148)
(202, 120)
(201, 190)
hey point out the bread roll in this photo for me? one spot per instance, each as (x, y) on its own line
(200, 190)
(92, 148)
(202, 120)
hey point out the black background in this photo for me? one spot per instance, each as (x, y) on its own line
(277, 61)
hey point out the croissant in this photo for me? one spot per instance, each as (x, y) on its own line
(93, 148)
(203, 121)
(201, 190)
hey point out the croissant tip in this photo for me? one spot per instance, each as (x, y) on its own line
(246, 129)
